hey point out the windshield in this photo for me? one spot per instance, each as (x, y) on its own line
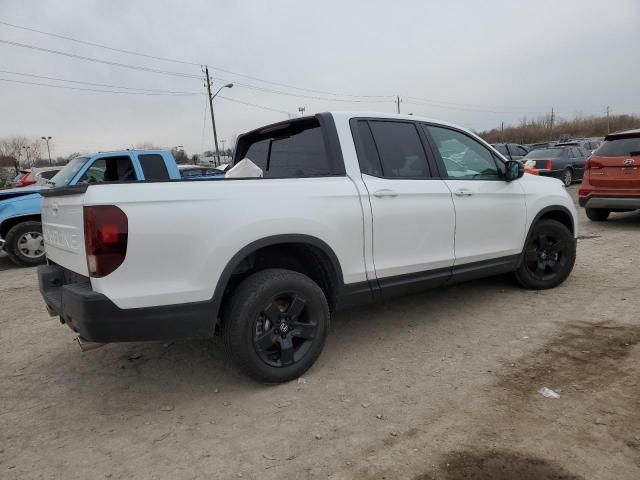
(64, 176)
(545, 153)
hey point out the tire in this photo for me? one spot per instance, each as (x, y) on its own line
(548, 256)
(597, 214)
(24, 244)
(567, 177)
(275, 325)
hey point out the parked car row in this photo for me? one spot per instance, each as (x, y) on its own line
(34, 176)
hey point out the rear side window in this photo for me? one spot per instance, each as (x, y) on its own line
(400, 149)
(288, 150)
(299, 155)
(619, 147)
(546, 153)
(367, 153)
(153, 167)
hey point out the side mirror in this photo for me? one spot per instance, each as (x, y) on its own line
(514, 170)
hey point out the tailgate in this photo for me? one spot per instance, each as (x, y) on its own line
(63, 228)
(615, 172)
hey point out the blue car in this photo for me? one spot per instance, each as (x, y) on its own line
(20, 228)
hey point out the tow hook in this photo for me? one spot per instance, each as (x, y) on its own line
(86, 345)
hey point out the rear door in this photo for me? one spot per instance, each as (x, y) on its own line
(490, 212)
(616, 164)
(577, 160)
(412, 209)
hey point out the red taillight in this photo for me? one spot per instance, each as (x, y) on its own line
(592, 165)
(26, 180)
(548, 165)
(105, 236)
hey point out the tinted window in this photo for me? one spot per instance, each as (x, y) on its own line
(502, 149)
(463, 157)
(153, 167)
(521, 150)
(573, 152)
(289, 149)
(48, 174)
(258, 152)
(546, 153)
(299, 155)
(367, 153)
(619, 147)
(400, 149)
(110, 169)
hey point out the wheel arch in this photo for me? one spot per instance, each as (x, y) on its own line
(283, 251)
(558, 213)
(11, 222)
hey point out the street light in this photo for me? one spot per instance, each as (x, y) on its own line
(46, 139)
(213, 120)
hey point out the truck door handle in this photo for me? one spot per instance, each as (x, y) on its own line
(463, 192)
(385, 192)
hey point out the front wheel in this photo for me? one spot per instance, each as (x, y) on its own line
(567, 177)
(275, 325)
(597, 214)
(24, 244)
(548, 256)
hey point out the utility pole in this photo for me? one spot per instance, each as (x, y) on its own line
(46, 139)
(398, 102)
(502, 132)
(552, 119)
(608, 112)
(213, 120)
(224, 152)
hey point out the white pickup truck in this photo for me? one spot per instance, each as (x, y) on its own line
(352, 208)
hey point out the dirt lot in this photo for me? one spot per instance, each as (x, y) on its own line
(442, 385)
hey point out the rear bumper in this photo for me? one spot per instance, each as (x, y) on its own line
(97, 319)
(610, 202)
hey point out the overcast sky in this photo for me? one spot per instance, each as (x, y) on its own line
(470, 62)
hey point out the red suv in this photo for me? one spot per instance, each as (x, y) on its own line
(611, 181)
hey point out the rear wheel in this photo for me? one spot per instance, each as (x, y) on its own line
(597, 214)
(548, 256)
(567, 177)
(275, 325)
(24, 244)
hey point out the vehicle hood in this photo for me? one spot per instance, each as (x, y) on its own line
(20, 192)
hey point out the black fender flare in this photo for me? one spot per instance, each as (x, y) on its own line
(247, 250)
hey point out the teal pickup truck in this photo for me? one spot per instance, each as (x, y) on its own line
(20, 227)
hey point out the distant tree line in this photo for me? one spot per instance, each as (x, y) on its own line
(543, 129)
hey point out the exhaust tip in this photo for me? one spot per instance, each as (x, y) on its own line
(86, 345)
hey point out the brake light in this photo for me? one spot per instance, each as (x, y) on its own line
(549, 165)
(26, 180)
(592, 165)
(106, 230)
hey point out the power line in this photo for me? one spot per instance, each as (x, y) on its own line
(68, 87)
(181, 74)
(253, 105)
(97, 60)
(100, 84)
(470, 109)
(184, 62)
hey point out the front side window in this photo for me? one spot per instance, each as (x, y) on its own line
(463, 157)
(400, 149)
(109, 169)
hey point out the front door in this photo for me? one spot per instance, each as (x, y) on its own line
(490, 212)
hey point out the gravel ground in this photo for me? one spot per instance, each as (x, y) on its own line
(441, 385)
